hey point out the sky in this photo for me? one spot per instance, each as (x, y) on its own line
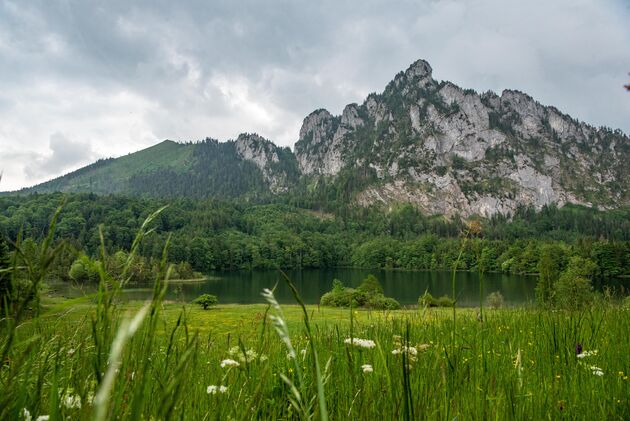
(82, 79)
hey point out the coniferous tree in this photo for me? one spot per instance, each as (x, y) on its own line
(5, 279)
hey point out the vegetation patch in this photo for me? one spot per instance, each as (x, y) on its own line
(369, 295)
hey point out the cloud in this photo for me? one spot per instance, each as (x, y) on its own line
(65, 154)
(120, 76)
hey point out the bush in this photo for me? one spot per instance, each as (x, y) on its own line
(83, 270)
(206, 300)
(381, 302)
(573, 293)
(368, 294)
(371, 286)
(495, 300)
(574, 290)
(343, 298)
(428, 300)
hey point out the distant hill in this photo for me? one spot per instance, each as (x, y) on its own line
(250, 165)
(445, 149)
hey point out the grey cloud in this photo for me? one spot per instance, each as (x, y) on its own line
(65, 154)
(196, 68)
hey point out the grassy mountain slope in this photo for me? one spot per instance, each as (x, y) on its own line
(114, 175)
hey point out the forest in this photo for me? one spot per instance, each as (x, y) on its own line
(208, 235)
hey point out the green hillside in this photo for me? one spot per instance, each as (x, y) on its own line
(113, 175)
(194, 170)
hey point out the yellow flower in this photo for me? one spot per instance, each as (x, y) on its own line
(557, 376)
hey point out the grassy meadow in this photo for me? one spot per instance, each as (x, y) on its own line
(100, 357)
(516, 364)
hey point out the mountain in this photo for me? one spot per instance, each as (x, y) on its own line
(445, 149)
(248, 166)
(448, 150)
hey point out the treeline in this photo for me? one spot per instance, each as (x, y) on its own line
(231, 235)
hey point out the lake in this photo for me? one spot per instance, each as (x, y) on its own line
(242, 287)
(405, 286)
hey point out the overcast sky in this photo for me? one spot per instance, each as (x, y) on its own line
(81, 80)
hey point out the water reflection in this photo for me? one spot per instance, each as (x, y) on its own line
(406, 287)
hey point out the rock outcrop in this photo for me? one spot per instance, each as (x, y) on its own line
(453, 151)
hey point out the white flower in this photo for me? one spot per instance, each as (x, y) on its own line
(43, 418)
(212, 389)
(587, 354)
(71, 351)
(362, 343)
(597, 371)
(410, 350)
(367, 368)
(244, 356)
(26, 414)
(71, 401)
(229, 363)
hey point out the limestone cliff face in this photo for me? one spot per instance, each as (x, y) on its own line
(278, 165)
(450, 150)
(445, 149)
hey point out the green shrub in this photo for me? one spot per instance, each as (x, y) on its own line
(428, 300)
(206, 300)
(381, 302)
(344, 297)
(83, 270)
(368, 294)
(573, 292)
(495, 300)
(371, 286)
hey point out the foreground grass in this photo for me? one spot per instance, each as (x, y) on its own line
(516, 364)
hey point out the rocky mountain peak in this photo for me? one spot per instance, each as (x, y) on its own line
(453, 151)
(419, 70)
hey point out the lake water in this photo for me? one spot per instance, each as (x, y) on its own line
(406, 287)
(243, 287)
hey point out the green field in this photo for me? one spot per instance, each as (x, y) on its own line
(516, 364)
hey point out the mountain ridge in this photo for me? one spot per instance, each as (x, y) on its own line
(445, 149)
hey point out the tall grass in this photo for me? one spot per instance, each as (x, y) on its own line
(156, 360)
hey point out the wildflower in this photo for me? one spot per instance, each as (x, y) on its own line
(71, 401)
(407, 350)
(43, 418)
(26, 414)
(367, 368)
(244, 356)
(213, 390)
(71, 352)
(597, 371)
(587, 354)
(362, 343)
(229, 363)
